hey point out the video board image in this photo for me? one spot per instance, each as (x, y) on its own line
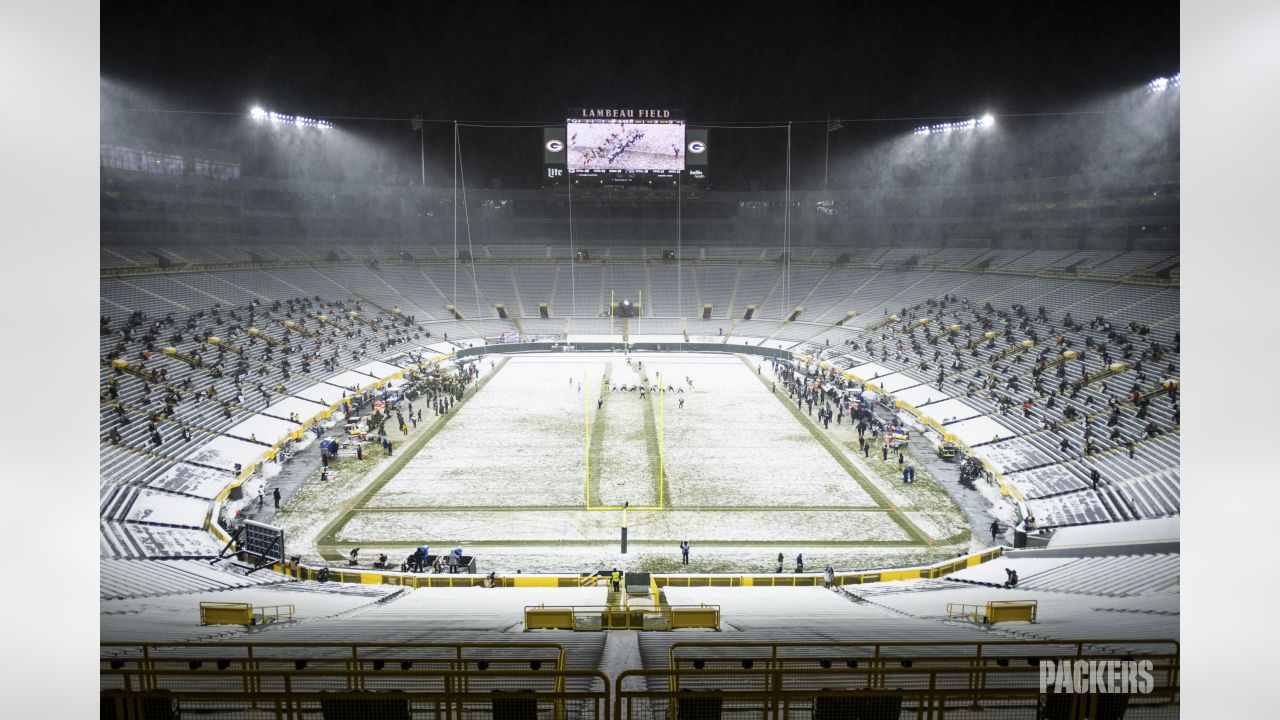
(628, 146)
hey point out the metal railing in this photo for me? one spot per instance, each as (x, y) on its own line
(705, 681)
(295, 694)
(746, 692)
(684, 655)
(141, 660)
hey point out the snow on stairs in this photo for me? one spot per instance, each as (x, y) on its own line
(125, 499)
(134, 578)
(115, 539)
(1120, 576)
(1116, 504)
(1153, 495)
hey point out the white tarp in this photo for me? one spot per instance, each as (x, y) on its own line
(305, 409)
(378, 369)
(193, 480)
(351, 381)
(225, 452)
(322, 393)
(870, 371)
(948, 411)
(895, 382)
(1019, 453)
(164, 542)
(920, 395)
(160, 507)
(263, 428)
(979, 430)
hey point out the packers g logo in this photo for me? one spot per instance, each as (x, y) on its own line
(697, 147)
(555, 146)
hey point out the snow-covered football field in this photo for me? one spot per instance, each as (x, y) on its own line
(507, 474)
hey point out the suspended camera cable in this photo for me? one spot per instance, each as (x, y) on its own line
(466, 211)
(729, 124)
(454, 298)
(679, 253)
(786, 235)
(573, 259)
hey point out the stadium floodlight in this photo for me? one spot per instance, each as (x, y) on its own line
(1161, 84)
(258, 114)
(985, 121)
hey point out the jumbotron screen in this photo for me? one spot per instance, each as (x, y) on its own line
(625, 145)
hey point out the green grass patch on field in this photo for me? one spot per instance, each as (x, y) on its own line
(648, 432)
(595, 456)
(652, 445)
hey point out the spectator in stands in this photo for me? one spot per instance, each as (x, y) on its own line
(275, 494)
(829, 576)
(779, 562)
(799, 562)
(995, 524)
(1011, 577)
(684, 553)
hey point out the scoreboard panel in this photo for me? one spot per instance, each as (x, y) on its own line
(599, 147)
(625, 146)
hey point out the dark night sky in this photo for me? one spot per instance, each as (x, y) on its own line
(721, 62)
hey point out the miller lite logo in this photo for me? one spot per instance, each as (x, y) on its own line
(555, 146)
(697, 147)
